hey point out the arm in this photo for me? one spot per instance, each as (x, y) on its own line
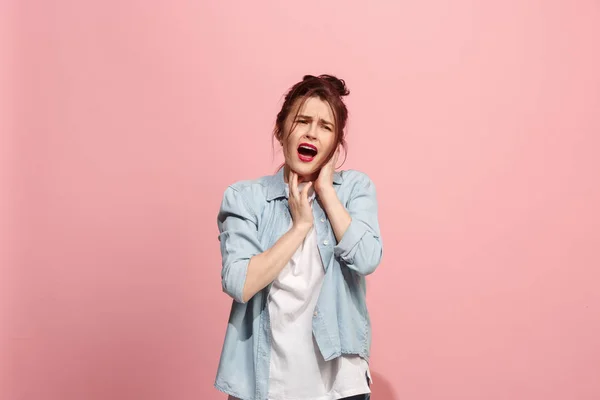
(357, 227)
(265, 267)
(336, 212)
(246, 267)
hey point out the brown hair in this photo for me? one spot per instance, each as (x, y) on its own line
(329, 89)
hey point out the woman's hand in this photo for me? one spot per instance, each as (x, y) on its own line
(324, 181)
(300, 208)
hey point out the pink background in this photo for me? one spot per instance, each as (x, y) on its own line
(123, 122)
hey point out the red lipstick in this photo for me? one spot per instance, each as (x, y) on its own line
(307, 152)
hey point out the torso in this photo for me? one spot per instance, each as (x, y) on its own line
(297, 369)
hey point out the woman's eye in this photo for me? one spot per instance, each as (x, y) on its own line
(327, 127)
(302, 121)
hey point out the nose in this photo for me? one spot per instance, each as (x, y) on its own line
(312, 131)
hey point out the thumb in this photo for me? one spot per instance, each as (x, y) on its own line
(306, 189)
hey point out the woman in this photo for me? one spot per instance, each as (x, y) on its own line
(296, 248)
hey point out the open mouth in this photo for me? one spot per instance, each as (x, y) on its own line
(307, 152)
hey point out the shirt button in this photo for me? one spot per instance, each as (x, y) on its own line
(326, 242)
(322, 219)
(316, 313)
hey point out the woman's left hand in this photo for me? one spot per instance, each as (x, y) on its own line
(324, 181)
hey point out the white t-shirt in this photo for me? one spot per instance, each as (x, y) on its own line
(297, 368)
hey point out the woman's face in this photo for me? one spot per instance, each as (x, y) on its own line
(308, 146)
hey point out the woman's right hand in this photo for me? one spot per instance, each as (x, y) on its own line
(300, 208)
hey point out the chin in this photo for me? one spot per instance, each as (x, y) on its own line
(304, 171)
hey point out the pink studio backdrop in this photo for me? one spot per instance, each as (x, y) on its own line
(478, 121)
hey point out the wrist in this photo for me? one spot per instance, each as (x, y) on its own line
(302, 228)
(327, 193)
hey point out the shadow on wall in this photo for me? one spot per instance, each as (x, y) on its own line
(381, 388)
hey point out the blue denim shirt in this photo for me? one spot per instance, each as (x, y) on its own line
(253, 216)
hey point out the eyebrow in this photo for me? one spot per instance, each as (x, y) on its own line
(323, 121)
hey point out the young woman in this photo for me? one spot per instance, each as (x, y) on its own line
(296, 247)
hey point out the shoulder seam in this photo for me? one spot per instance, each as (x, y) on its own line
(245, 200)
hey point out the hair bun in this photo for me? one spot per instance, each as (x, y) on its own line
(338, 84)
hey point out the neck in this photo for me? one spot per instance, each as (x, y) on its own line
(301, 178)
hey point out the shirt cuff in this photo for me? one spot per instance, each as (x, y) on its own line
(345, 249)
(236, 280)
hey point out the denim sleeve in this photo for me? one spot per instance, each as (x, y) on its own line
(238, 237)
(360, 249)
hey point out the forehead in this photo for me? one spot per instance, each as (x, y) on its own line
(314, 107)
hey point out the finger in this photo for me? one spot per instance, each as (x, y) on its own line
(334, 159)
(294, 185)
(305, 191)
(331, 161)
